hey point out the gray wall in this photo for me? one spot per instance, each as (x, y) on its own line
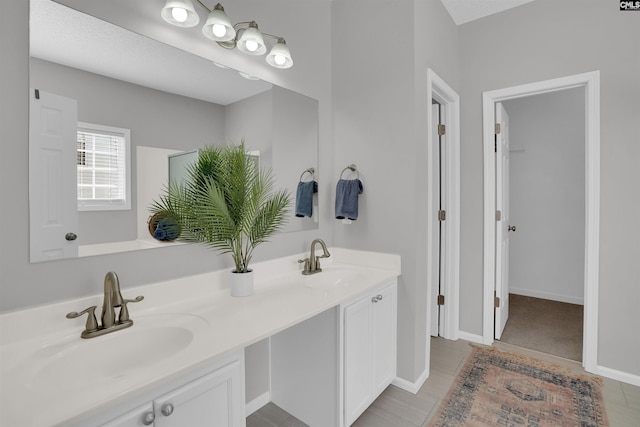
(541, 40)
(284, 127)
(380, 110)
(258, 111)
(547, 195)
(155, 119)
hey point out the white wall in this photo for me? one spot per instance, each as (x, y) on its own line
(547, 195)
(152, 183)
(542, 40)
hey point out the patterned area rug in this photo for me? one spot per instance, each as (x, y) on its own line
(503, 389)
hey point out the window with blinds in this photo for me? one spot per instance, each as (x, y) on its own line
(103, 167)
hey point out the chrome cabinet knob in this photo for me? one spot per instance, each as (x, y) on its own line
(148, 418)
(511, 228)
(70, 236)
(376, 298)
(167, 409)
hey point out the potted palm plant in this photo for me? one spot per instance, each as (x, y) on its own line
(227, 203)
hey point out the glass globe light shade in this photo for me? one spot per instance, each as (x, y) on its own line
(280, 56)
(180, 13)
(251, 41)
(218, 27)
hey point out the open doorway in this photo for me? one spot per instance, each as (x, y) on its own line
(545, 222)
(492, 282)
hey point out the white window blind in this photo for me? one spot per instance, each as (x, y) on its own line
(103, 167)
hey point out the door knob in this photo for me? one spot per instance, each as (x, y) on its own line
(511, 228)
(70, 236)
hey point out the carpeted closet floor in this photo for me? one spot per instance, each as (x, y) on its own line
(547, 326)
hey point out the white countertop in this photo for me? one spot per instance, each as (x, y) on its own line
(39, 386)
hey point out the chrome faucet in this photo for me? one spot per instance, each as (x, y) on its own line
(312, 264)
(111, 300)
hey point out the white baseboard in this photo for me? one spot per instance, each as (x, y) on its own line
(257, 403)
(411, 387)
(618, 375)
(545, 295)
(470, 337)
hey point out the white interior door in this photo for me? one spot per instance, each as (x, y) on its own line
(53, 213)
(436, 240)
(502, 225)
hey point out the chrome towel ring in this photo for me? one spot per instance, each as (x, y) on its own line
(311, 171)
(352, 167)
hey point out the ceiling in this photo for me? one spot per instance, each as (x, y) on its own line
(463, 11)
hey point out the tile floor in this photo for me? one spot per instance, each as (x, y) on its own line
(398, 408)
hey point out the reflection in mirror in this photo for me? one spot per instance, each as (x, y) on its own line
(179, 166)
(163, 119)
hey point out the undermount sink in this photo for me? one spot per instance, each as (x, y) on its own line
(335, 277)
(77, 362)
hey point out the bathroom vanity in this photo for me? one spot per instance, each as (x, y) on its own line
(332, 345)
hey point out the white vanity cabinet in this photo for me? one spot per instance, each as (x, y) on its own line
(215, 399)
(369, 349)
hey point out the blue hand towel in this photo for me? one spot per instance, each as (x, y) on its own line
(166, 230)
(347, 192)
(304, 198)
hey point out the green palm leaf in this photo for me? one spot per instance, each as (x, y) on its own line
(227, 203)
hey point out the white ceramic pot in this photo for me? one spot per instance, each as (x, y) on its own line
(241, 284)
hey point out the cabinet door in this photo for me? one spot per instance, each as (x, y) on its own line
(139, 417)
(357, 358)
(215, 400)
(384, 339)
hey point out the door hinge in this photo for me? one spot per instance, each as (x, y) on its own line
(440, 299)
(497, 128)
(496, 302)
(442, 130)
(498, 215)
(442, 215)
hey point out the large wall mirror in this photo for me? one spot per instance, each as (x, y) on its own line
(170, 101)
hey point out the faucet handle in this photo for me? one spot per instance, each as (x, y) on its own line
(124, 311)
(307, 266)
(92, 323)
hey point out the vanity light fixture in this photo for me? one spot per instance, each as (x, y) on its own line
(246, 36)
